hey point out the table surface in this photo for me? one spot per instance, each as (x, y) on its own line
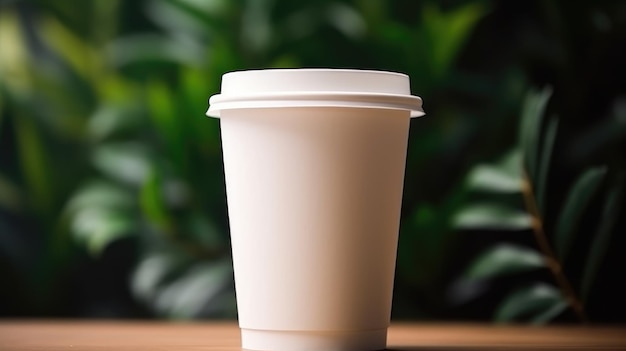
(154, 336)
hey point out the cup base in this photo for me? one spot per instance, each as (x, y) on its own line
(289, 340)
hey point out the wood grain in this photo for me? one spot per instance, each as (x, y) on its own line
(155, 336)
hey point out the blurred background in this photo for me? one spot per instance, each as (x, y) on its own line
(112, 196)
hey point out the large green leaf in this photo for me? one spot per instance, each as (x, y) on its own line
(152, 201)
(97, 227)
(448, 31)
(424, 235)
(544, 164)
(143, 48)
(63, 73)
(257, 28)
(214, 8)
(530, 128)
(178, 288)
(35, 163)
(511, 163)
(128, 162)
(346, 19)
(503, 177)
(203, 290)
(1, 105)
(100, 213)
(78, 54)
(538, 303)
(169, 124)
(100, 193)
(10, 195)
(572, 211)
(186, 18)
(111, 119)
(504, 259)
(203, 232)
(203, 132)
(14, 74)
(152, 272)
(602, 237)
(549, 314)
(492, 216)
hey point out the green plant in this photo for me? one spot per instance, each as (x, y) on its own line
(111, 189)
(524, 173)
(104, 155)
(113, 149)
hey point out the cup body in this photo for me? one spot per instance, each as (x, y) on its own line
(314, 196)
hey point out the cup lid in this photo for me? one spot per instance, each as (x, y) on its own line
(315, 87)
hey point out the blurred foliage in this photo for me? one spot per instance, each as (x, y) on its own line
(527, 176)
(111, 183)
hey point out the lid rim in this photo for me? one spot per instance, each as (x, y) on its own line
(410, 103)
(309, 95)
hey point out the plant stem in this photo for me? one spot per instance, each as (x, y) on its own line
(544, 245)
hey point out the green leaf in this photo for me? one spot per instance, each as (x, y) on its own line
(35, 163)
(1, 107)
(571, 214)
(544, 164)
(64, 86)
(203, 132)
(97, 227)
(124, 161)
(602, 238)
(179, 288)
(256, 28)
(540, 302)
(117, 227)
(214, 8)
(422, 237)
(503, 177)
(143, 48)
(100, 194)
(111, 119)
(78, 55)
(151, 272)
(504, 259)
(201, 290)
(550, 313)
(203, 232)
(493, 179)
(152, 202)
(14, 73)
(169, 124)
(492, 216)
(10, 196)
(347, 20)
(448, 31)
(532, 115)
(511, 163)
(184, 19)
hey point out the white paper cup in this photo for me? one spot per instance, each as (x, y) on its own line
(314, 164)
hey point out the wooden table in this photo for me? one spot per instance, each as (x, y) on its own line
(156, 336)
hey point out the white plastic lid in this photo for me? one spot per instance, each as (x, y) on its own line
(315, 87)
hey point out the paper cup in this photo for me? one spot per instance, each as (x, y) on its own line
(314, 166)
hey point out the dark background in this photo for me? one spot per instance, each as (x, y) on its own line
(112, 196)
